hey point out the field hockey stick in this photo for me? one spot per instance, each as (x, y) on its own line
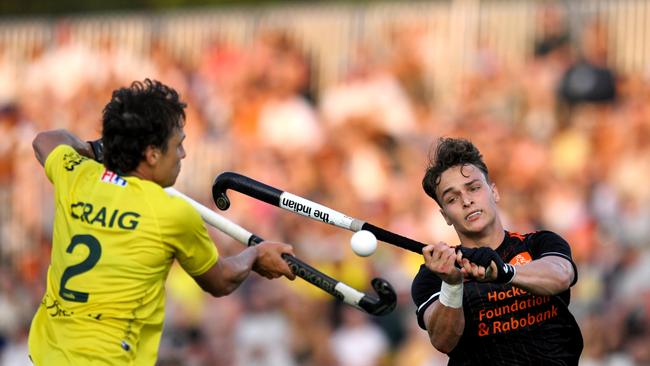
(302, 206)
(381, 305)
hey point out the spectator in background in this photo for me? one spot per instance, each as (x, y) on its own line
(590, 79)
(358, 341)
(552, 30)
(287, 121)
(370, 92)
(264, 317)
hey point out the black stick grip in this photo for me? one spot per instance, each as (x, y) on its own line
(395, 239)
(313, 276)
(245, 185)
(305, 271)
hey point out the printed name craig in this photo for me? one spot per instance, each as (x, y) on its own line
(85, 212)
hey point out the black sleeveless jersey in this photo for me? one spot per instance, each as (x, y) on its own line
(505, 325)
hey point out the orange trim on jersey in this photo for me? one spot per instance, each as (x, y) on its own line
(516, 235)
(521, 258)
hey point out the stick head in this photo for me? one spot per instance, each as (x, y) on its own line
(245, 185)
(386, 302)
(222, 202)
(219, 188)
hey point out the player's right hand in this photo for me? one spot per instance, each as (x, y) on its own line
(269, 262)
(440, 259)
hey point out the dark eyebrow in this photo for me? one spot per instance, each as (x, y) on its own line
(452, 188)
(446, 191)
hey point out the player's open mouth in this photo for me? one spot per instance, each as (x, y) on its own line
(473, 215)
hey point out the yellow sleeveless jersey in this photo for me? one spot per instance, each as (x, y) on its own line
(114, 241)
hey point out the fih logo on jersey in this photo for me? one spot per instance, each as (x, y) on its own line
(521, 258)
(110, 177)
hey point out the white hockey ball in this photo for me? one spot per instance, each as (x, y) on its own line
(364, 243)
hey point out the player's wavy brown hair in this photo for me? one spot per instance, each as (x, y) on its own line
(450, 152)
(143, 114)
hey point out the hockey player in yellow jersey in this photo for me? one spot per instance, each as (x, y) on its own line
(117, 232)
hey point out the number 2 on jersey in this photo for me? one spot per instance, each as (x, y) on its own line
(95, 251)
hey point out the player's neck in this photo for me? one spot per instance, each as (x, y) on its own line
(492, 236)
(142, 172)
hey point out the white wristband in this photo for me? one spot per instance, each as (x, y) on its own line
(451, 295)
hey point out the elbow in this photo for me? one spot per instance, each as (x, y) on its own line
(228, 289)
(219, 293)
(446, 343)
(563, 281)
(221, 290)
(216, 292)
(36, 146)
(46, 141)
(35, 141)
(563, 284)
(566, 275)
(221, 280)
(40, 136)
(442, 345)
(445, 327)
(218, 288)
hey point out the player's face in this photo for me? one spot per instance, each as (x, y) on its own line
(469, 202)
(169, 163)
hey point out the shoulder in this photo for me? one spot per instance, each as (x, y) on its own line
(424, 284)
(546, 241)
(64, 155)
(425, 290)
(424, 274)
(545, 235)
(536, 238)
(171, 209)
(164, 201)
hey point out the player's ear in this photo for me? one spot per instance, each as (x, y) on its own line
(151, 155)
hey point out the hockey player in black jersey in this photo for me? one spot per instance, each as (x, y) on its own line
(500, 298)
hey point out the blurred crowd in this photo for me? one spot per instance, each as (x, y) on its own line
(566, 137)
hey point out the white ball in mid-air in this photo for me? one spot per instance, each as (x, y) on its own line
(364, 243)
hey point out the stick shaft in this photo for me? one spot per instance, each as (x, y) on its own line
(215, 220)
(318, 212)
(303, 270)
(302, 206)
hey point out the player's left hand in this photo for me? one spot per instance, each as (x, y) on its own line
(473, 271)
(484, 264)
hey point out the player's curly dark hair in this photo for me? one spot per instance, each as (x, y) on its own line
(449, 153)
(144, 114)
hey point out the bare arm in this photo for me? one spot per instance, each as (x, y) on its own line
(444, 324)
(47, 141)
(545, 276)
(548, 275)
(228, 273)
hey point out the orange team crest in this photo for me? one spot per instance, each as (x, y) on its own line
(521, 258)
